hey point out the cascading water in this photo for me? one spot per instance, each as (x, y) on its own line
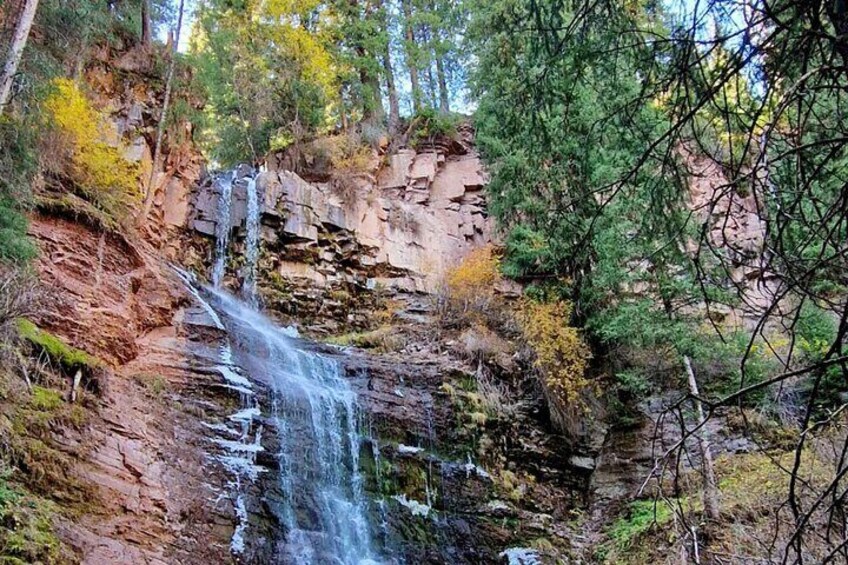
(251, 251)
(311, 405)
(315, 414)
(222, 227)
(240, 440)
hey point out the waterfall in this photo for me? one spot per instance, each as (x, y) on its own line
(238, 440)
(315, 414)
(251, 252)
(222, 227)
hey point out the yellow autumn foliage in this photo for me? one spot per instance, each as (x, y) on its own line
(561, 354)
(98, 169)
(468, 289)
(475, 276)
(308, 48)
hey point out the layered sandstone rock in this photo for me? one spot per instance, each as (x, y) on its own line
(397, 227)
(156, 495)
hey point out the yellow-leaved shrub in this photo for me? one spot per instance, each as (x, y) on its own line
(100, 172)
(469, 288)
(561, 356)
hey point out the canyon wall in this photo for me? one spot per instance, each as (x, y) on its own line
(329, 243)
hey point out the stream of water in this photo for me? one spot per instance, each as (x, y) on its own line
(316, 419)
(222, 227)
(312, 408)
(315, 416)
(251, 246)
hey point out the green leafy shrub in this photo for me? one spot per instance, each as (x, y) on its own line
(18, 164)
(642, 516)
(429, 124)
(816, 333)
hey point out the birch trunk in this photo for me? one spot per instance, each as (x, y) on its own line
(16, 50)
(711, 504)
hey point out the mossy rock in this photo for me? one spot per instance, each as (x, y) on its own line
(27, 531)
(46, 399)
(70, 358)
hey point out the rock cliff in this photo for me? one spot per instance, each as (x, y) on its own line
(327, 246)
(448, 480)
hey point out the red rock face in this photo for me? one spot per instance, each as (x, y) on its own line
(146, 454)
(102, 293)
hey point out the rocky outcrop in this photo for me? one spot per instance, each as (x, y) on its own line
(733, 215)
(147, 450)
(395, 228)
(121, 86)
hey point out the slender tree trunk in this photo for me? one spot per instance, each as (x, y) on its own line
(711, 503)
(146, 32)
(16, 50)
(394, 106)
(436, 36)
(444, 103)
(343, 110)
(427, 40)
(150, 191)
(411, 55)
(431, 84)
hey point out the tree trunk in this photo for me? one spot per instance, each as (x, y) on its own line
(711, 504)
(394, 106)
(411, 55)
(16, 50)
(146, 33)
(157, 149)
(369, 77)
(436, 37)
(444, 103)
(343, 110)
(391, 87)
(431, 84)
(427, 40)
(373, 105)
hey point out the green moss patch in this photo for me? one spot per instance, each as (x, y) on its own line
(70, 358)
(27, 533)
(45, 399)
